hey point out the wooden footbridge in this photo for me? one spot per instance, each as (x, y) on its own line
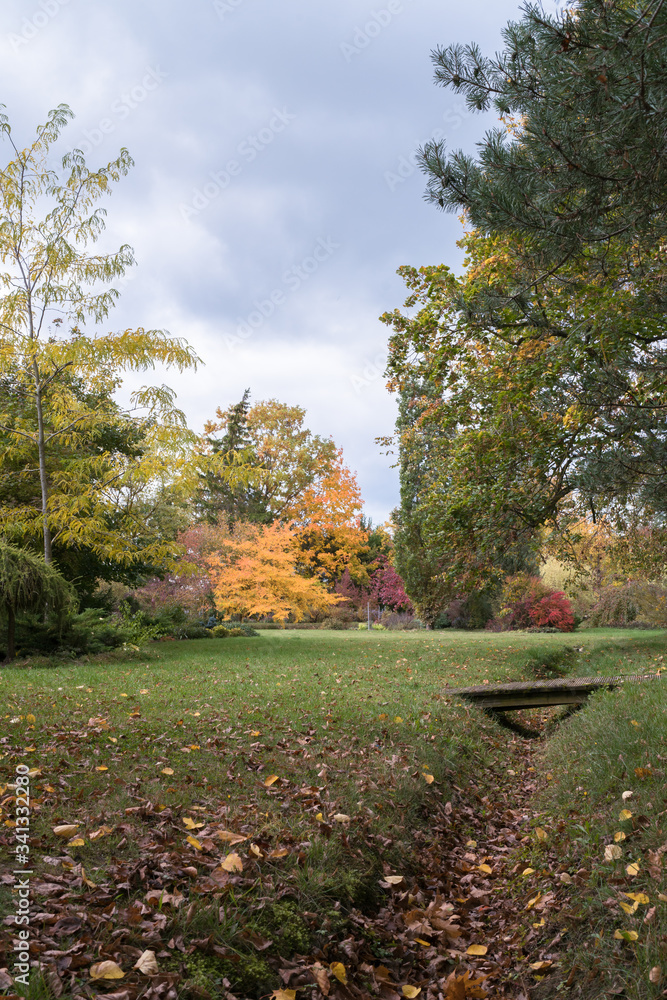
(541, 694)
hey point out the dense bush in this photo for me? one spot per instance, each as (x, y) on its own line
(527, 603)
(633, 604)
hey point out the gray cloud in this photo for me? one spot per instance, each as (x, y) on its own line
(261, 132)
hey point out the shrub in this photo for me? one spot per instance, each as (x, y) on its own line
(220, 632)
(335, 623)
(527, 603)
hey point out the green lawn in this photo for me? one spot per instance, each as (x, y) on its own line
(275, 739)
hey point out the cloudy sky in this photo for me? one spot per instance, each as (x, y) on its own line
(273, 195)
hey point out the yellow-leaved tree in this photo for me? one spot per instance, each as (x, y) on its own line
(57, 413)
(253, 572)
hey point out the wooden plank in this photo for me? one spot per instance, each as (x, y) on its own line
(540, 694)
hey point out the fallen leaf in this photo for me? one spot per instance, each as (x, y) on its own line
(230, 838)
(633, 722)
(167, 770)
(528, 871)
(194, 843)
(626, 795)
(321, 978)
(398, 719)
(627, 908)
(102, 767)
(147, 963)
(655, 975)
(624, 814)
(638, 897)
(106, 970)
(477, 949)
(540, 833)
(626, 935)
(633, 869)
(232, 863)
(612, 852)
(338, 970)
(66, 829)
(30, 719)
(270, 780)
(486, 869)
(428, 778)
(536, 966)
(393, 879)
(76, 842)
(341, 818)
(410, 991)
(190, 824)
(619, 836)
(102, 831)
(283, 995)
(531, 902)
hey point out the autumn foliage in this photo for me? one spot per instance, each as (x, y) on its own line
(528, 603)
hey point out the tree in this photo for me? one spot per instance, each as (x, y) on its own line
(50, 277)
(253, 572)
(28, 583)
(579, 165)
(268, 467)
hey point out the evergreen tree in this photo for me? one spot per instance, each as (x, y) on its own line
(579, 163)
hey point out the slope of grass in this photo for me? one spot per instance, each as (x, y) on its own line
(330, 752)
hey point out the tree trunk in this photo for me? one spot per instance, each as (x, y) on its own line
(11, 631)
(43, 480)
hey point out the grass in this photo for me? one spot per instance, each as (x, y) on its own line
(347, 723)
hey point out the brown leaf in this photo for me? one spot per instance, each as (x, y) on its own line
(321, 978)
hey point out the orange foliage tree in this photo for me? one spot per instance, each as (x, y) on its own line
(253, 572)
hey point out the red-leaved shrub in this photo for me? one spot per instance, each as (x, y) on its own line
(529, 603)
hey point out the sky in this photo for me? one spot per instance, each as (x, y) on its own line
(274, 192)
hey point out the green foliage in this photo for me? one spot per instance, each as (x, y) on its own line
(29, 584)
(581, 93)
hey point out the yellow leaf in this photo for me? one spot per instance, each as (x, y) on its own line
(393, 879)
(627, 908)
(102, 767)
(232, 863)
(528, 871)
(283, 995)
(189, 823)
(271, 780)
(143, 691)
(256, 850)
(633, 869)
(536, 966)
(626, 935)
(633, 722)
(30, 719)
(320, 818)
(619, 836)
(34, 772)
(66, 829)
(427, 944)
(255, 732)
(76, 842)
(486, 869)
(338, 970)
(638, 897)
(341, 818)
(106, 970)
(612, 852)
(477, 949)
(531, 902)
(398, 719)
(410, 991)
(167, 770)
(147, 963)
(30, 748)
(194, 843)
(540, 833)
(230, 838)
(624, 814)
(429, 779)
(382, 716)
(103, 831)
(471, 843)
